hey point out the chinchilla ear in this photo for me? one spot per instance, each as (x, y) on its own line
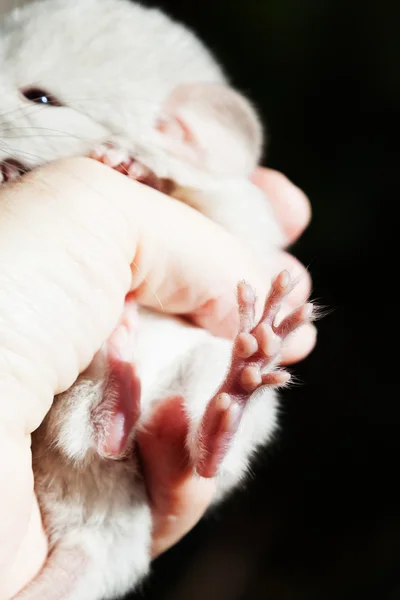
(215, 126)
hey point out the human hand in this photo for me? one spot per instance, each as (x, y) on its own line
(180, 498)
(65, 270)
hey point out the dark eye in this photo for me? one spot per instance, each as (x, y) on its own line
(40, 97)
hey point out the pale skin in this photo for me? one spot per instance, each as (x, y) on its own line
(75, 237)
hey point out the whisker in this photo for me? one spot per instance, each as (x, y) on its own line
(13, 110)
(23, 109)
(93, 145)
(35, 135)
(58, 132)
(34, 108)
(15, 153)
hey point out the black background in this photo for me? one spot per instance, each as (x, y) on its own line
(321, 518)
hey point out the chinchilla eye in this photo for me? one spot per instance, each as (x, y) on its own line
(40, 96)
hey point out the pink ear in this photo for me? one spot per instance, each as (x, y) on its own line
(214, 127)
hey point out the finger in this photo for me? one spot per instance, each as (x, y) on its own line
(298, 274)
(299, 345)
(302, 342)
(178, 498)
(289, 202)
